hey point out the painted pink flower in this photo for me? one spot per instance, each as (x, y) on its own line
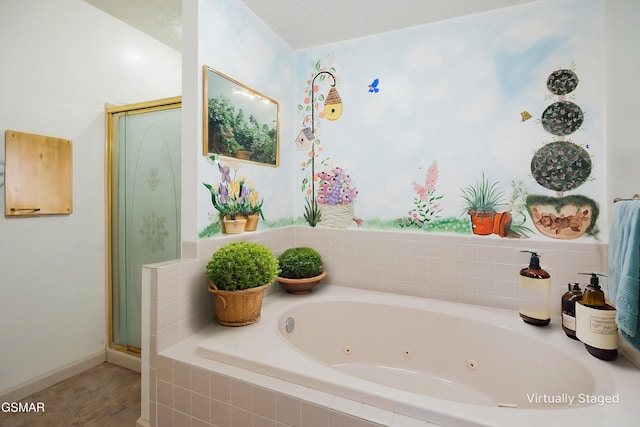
(432, 176)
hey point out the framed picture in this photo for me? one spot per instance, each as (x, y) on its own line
(239, 122)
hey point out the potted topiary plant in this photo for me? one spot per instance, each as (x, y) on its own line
(238, 274)
(301, 270)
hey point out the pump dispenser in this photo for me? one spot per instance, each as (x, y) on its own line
(593, 295)
(535, 293)
(596, 321)
(569, 299)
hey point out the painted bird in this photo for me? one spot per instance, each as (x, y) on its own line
(373, 87)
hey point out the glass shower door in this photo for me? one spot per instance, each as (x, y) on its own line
(145, 208)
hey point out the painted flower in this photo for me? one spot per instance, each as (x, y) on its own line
(335, 187)
(426, 202)
(432, 176)
(234, 195)
(225, 171)
(223, 193)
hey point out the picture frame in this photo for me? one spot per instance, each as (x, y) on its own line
(239, 122)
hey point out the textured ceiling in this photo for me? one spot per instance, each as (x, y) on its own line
(305, 23)
(161, 19)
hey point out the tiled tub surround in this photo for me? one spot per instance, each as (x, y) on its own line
(466, 269)
(448, 363)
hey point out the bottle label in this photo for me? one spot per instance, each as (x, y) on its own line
(596, 327)
(568, 321)
(603, 325)
(535, 297)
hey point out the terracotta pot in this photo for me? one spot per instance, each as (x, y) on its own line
(252, 222)
(481, 222)
(301, 286)
(502, 223)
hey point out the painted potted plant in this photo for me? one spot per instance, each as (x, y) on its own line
(239, 274)
(482, 202)
(231, 199)
(301, 270)
(562, 166)
(233, 221)
(252, 209)
(335, 199)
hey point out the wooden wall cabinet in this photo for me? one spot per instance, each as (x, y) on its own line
(38, 175)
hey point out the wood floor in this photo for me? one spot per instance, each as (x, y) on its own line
(104, 396)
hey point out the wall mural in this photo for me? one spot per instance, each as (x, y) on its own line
(235, 199)
(331, 201)
(426, 204)
(409, 130)
(560, 165)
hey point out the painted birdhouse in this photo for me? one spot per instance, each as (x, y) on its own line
(304, 139)
(333, 105)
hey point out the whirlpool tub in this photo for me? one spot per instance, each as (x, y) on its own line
(446, 363)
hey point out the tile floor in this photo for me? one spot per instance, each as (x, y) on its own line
(104, 396)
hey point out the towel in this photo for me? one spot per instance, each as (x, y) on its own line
(624, 268)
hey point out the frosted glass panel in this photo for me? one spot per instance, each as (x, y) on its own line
(148, 210)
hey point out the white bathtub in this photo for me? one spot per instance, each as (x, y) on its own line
(445, 363)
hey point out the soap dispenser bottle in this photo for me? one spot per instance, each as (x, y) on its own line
(569, 299)
(593, 294)
(596, 321)
(535, 293)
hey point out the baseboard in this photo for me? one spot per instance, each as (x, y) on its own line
(125, 360)
(143, 422)
(23, 390)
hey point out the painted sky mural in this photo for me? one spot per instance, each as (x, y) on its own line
(433, 114)
(438, 114)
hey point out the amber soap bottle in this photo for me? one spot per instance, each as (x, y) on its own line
(573, 294)
(535, 293)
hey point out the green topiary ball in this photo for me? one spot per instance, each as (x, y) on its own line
(300, 263)
(561, 166)
(242, 265)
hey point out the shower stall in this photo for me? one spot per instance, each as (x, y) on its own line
(143, 152)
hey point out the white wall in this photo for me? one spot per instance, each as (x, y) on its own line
(61, 62)
(622, 98)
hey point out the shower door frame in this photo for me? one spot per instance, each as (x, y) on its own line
(111, 111)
